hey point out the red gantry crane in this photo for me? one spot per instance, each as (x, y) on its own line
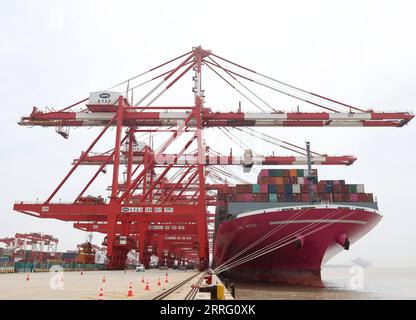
(159, 205)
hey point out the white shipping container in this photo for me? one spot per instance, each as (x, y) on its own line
(360, 188)
(296, 188)
(104, 97)
(301, 180)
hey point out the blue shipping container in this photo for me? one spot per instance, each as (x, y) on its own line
(272, 188)
(288, 188)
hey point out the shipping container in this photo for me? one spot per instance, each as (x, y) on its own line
(296, 188)
(272, 188)
(272, 197)
(264, 173)
(353, 197)
(297, 197)
(279, 180)
(352, 188)
(255, 188)
(288, 188)
(305, 197)
(300, 172)
(272, 172)
(288, 197)
(360, 188)
(248, 197)
(293, 173)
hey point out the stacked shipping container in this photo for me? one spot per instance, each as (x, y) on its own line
(291, 185)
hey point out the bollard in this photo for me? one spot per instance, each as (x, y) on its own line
(220, 292)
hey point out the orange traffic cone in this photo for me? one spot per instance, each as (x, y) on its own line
(158, 282)
(27, 277)
(130, 293)
(101, 296)
(142, 279)
(147, 285)
(103, 279)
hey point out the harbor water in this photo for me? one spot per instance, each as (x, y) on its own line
(350, 283)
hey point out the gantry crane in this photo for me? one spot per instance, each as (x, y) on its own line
(161, 207)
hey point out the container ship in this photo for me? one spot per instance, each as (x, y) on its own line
(287, 226)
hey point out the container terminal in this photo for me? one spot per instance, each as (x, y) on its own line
(175, 203)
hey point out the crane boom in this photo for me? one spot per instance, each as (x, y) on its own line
(219, 119)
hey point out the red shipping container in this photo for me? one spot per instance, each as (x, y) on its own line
(261, 197)
(361, 197)
(297, 197)
(264, 173)
(325, 196)
(305, 197)
(337, 188)
(293, 180)
(248, 197)
(264, 188)
(345, 188)
(286, 180)
(354, 197)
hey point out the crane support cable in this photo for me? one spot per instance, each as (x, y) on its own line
(289, 85)
(232, 139)
(242, 144)
(164, 79)
(170, 84)
(275, 89)
(273, 142)
(127, 81)
(148, 71)
(243, 85)
(236, 89)
(266, 136)
(155, 78)
(233, 174)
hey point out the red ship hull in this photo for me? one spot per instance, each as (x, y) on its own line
(304, 239)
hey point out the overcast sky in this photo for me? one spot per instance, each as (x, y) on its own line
(53, 53)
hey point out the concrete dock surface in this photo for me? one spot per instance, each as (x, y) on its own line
(71, 285)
